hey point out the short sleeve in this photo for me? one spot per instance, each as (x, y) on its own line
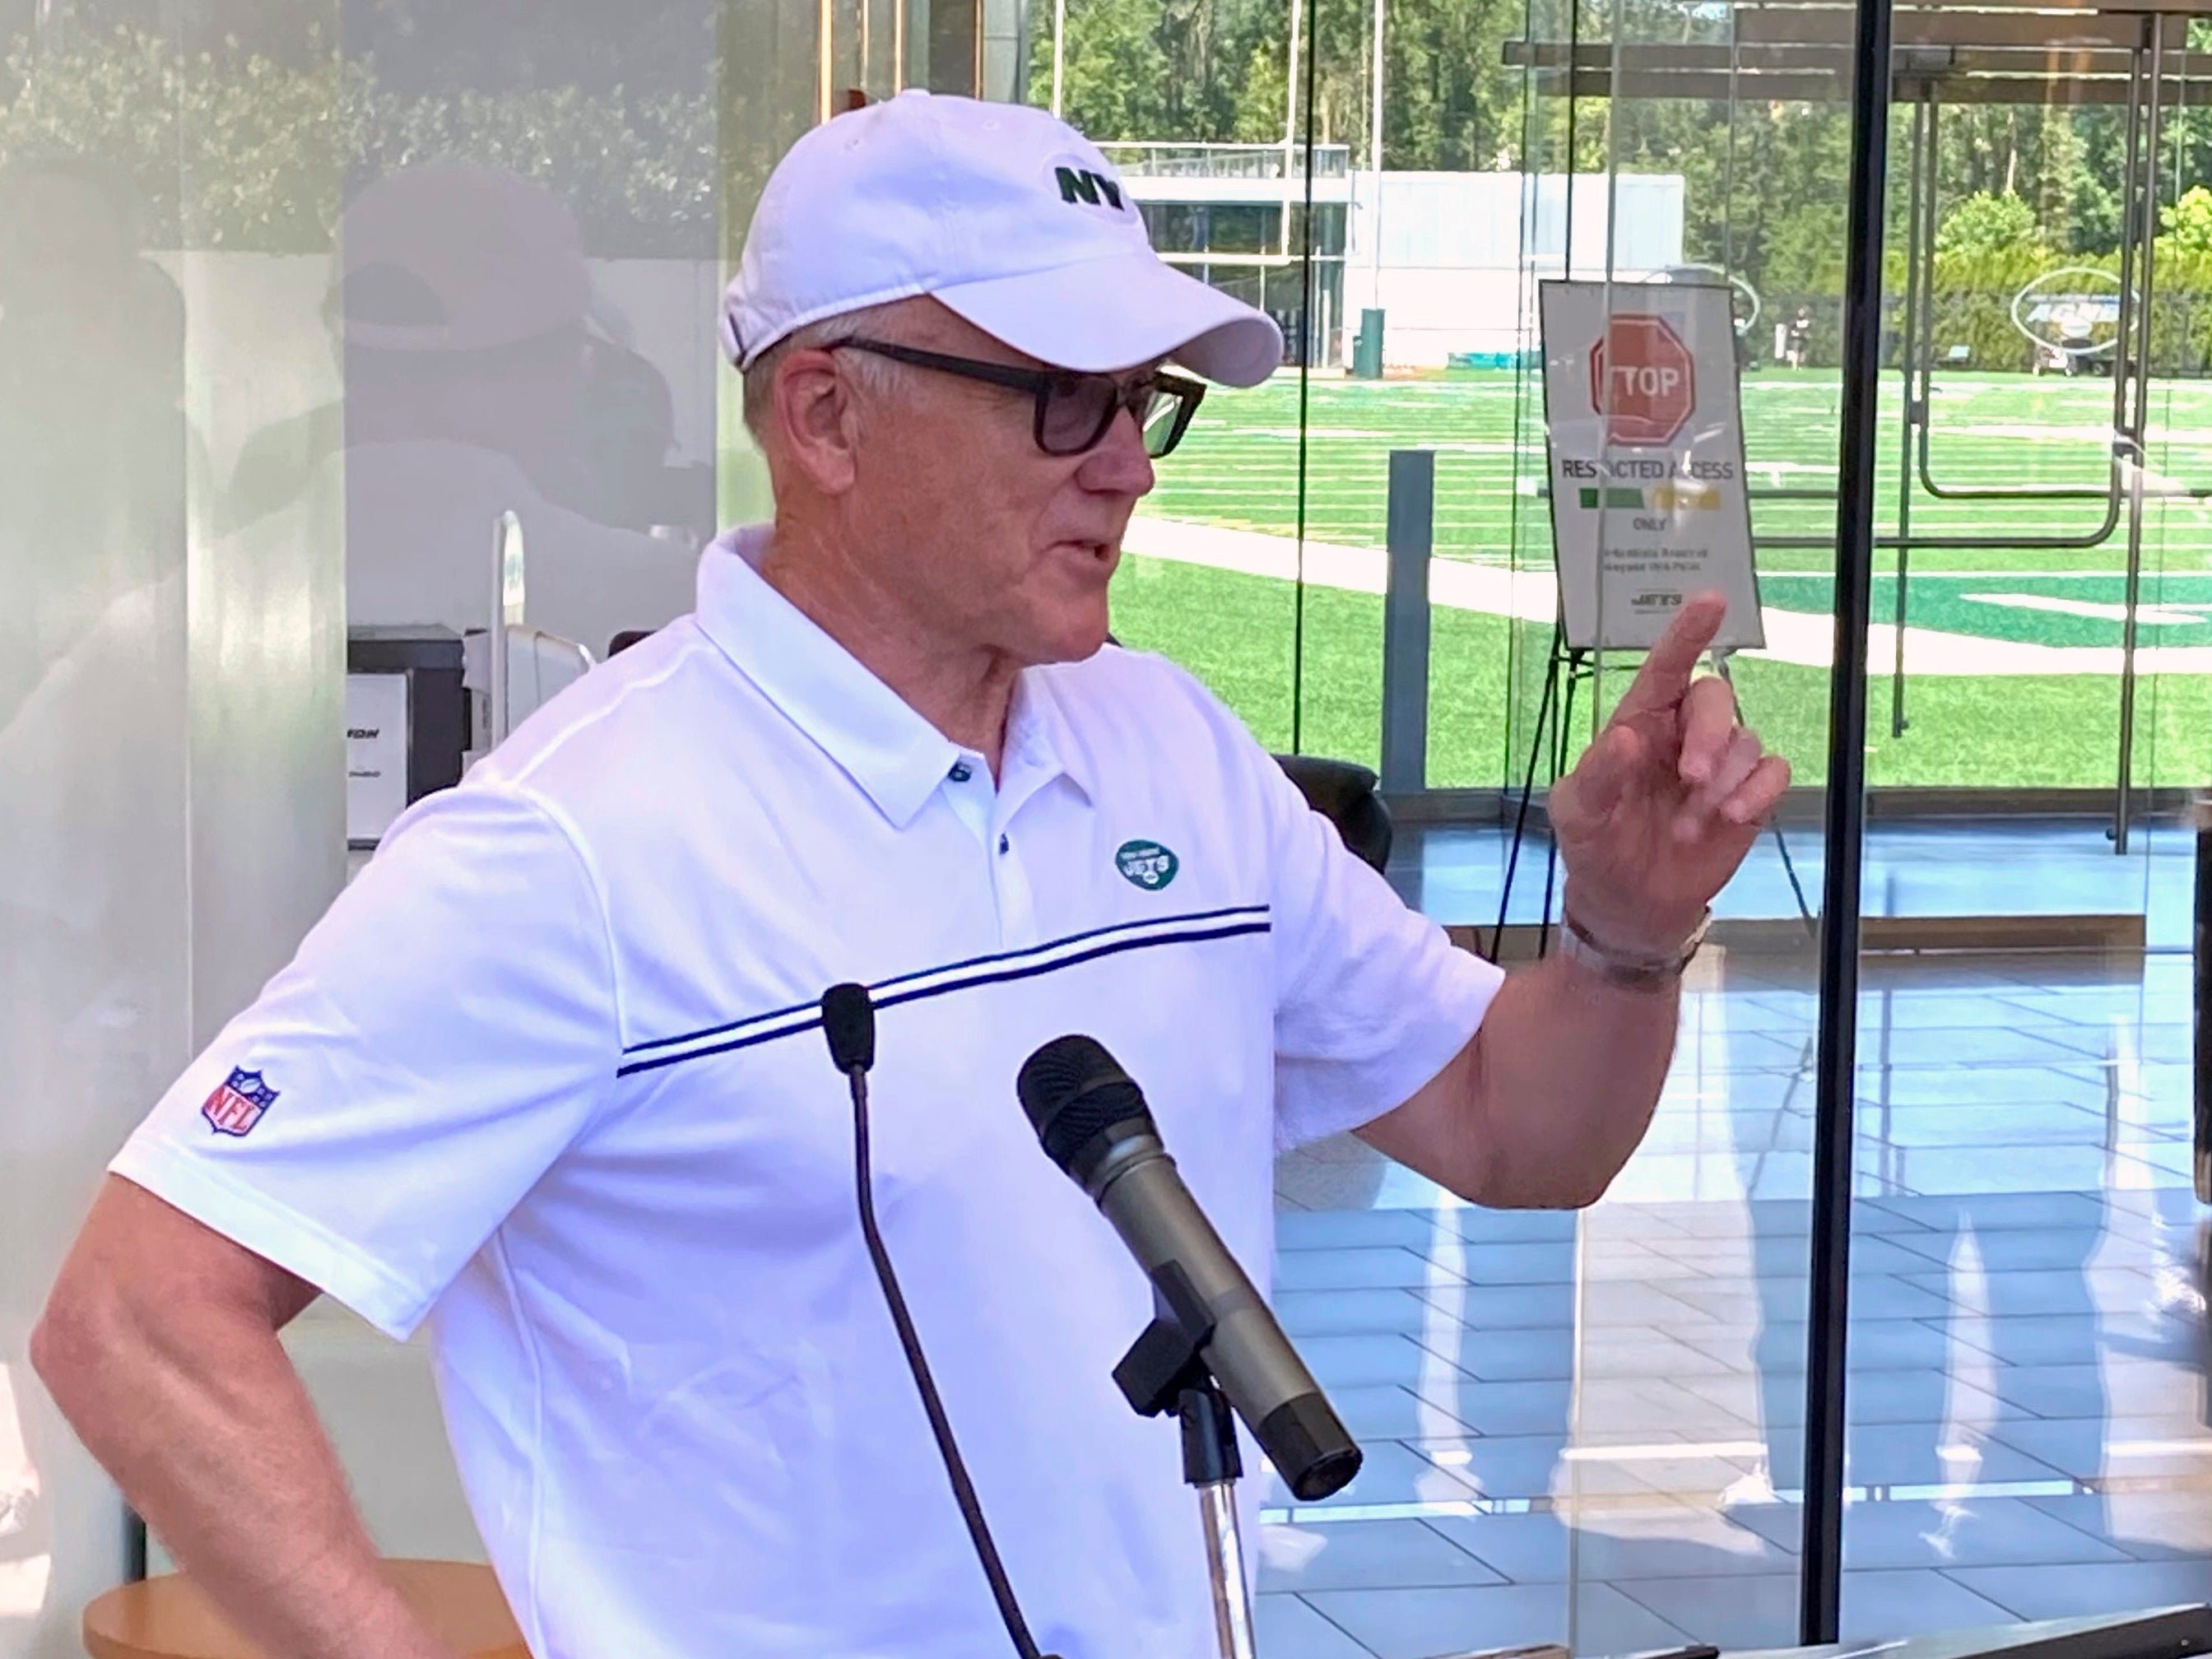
(444, 1032)
(1372, 999)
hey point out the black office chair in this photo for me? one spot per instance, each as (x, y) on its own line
(1344, 794)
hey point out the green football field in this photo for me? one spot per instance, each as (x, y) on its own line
(1237, 632)
(1240, 469)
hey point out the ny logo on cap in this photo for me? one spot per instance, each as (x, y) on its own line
(1081, 185)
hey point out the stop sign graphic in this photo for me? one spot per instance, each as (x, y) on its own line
(1641, 380)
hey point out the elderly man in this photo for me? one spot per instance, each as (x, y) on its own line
(550, 1075)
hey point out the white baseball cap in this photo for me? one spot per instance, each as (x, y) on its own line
(1004, 213)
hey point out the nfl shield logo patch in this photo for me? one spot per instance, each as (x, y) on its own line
(238, 1103)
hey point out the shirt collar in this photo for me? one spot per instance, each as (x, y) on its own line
(1039, 740)
(898, 758)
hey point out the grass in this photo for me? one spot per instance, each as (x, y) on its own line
(2068, 608)
(1239, 468)
(1236, 631)
(1239, 465)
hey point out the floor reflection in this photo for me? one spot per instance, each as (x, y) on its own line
(26, 1561)
(1591, 1431)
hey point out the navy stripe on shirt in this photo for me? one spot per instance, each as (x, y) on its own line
(1000, 968)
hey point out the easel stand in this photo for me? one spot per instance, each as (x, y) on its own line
(1165, 1372)
(1568, 667)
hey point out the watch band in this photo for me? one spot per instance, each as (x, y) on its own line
(1630, 971)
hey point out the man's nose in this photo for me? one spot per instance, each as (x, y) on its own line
(1119, 464)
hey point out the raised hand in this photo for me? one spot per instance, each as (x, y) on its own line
(1662, 809)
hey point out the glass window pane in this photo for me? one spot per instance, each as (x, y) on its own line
(395, 271)
(2032, 1144)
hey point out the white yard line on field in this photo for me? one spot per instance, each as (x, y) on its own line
(1792, 636)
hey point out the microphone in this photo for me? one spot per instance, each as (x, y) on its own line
(848, 1020)
(1095, 1127)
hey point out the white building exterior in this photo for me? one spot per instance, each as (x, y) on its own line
(1461, 252)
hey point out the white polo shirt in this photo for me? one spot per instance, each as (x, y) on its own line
(550, 1075)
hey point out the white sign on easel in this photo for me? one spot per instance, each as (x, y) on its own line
(1647, 476)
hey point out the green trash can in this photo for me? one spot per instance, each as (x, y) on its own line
(1367, 350)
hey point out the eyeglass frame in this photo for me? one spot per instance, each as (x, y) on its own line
(1039, 383)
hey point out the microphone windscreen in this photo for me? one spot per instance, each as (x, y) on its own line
(1073, 1091)
(849, 1020)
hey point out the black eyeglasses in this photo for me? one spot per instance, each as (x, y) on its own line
(1073, 410)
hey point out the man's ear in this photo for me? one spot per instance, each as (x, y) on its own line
(815, 415)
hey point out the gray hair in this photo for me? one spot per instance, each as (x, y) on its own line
(878, 374)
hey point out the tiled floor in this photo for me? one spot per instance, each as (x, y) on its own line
(1588, 1428)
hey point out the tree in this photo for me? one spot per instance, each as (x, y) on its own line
(237, 150)
(2188, 222)
(1988, 223)
(1118, 73)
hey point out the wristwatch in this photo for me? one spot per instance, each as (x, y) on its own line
(1631, 970)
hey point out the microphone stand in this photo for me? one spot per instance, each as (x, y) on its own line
(1164, 1371)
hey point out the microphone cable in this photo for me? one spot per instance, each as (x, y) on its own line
(848, 1020)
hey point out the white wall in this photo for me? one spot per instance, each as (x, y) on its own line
(171, 763)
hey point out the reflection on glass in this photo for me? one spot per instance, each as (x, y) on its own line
(520, 307)
(476, 384)
(294, 302)
(96, 451)
(26, 1552)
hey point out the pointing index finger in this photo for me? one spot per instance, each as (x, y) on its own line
(1665, 676)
